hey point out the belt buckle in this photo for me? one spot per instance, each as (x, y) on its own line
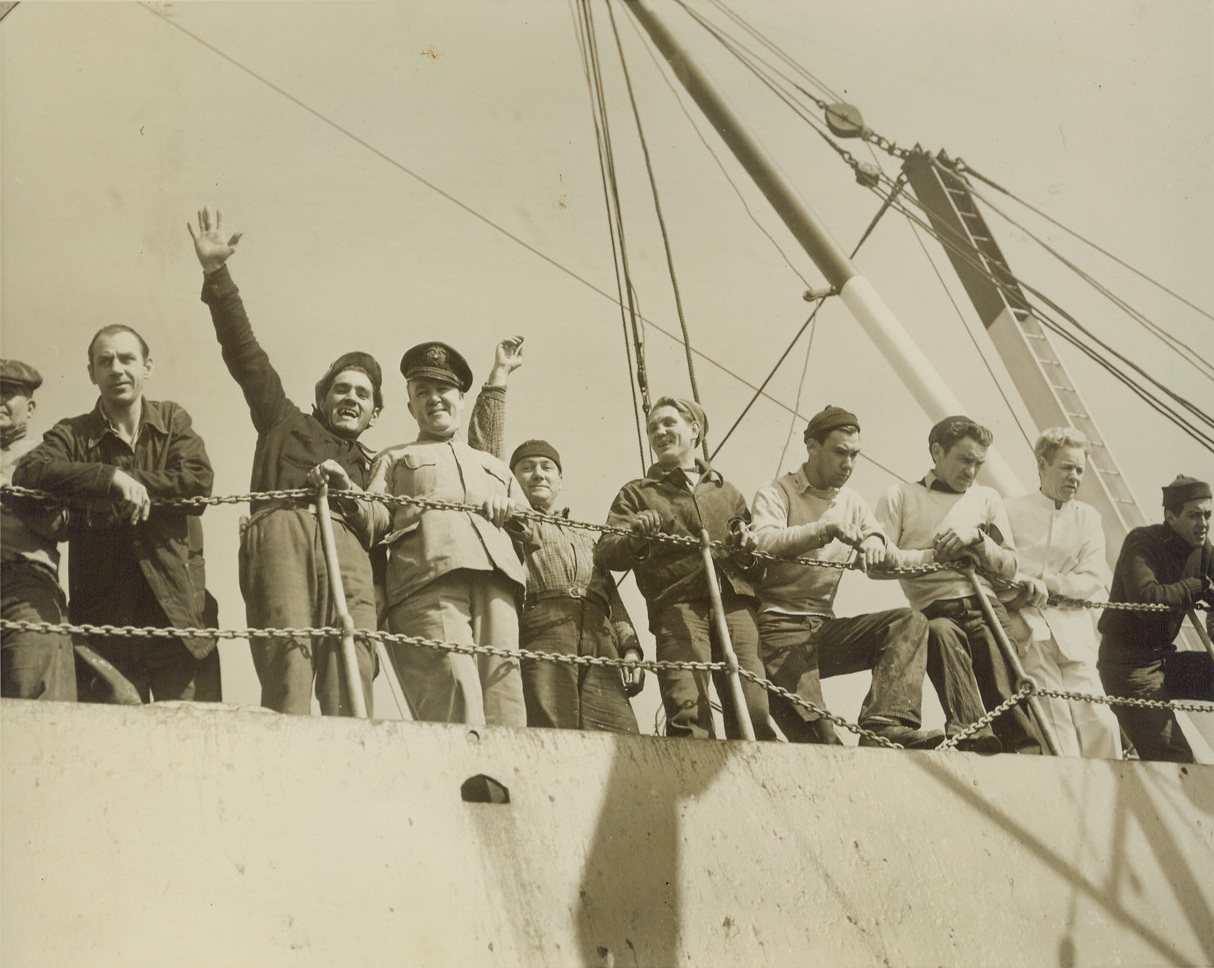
(573, 592)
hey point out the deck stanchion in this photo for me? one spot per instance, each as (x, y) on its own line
(349, 658)
(1009, 651)
(741, 711)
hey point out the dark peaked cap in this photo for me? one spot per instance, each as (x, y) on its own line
(16, 373)
(437, 361)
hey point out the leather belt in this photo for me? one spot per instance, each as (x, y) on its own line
(571, 593)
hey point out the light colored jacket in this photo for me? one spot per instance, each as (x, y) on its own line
(1064, 548)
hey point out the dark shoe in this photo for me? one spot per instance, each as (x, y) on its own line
(911, 739)
(985, 743)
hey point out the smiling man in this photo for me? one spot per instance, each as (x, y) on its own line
(1060, 544)
(1160, 564)
(812, 512)
(572, 607)
(452, 575)
(131, 563)
(946, 518)
(680, 495)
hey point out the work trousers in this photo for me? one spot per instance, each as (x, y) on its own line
(564, 696)
(685, 632)
(285, 584)
(34, 665)
(801, 650)
(1161, 677)
(462, 607)
(160, 668)
(962, 653)
(1086, 729)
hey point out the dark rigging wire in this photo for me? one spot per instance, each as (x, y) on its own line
(966, 168)
(657, 205)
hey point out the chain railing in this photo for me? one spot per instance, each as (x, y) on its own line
(688, 541)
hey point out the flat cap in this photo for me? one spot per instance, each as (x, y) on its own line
(536, 448)
(1185, 489)
(828, 419)
(355, 360)
(438, 361)
(19, 374)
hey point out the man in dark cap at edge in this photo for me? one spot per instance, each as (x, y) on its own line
(33, 665)
(1160, 564)
(283, 576)
(811, 512)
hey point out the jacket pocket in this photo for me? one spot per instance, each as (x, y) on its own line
(415, 475)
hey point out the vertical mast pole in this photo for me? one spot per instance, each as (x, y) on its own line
(862, 300)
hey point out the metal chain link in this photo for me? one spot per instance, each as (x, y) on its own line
(823, 713)
(720, 547)
(1022, 693)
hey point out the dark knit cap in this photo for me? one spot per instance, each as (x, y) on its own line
(831, 418)
(536, 448)
(438, 361)
(355, 360)
(16, 373)
(1185, 489)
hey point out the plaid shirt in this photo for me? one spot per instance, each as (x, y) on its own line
(560, 561)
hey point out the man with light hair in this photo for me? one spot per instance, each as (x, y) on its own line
(1060, 544)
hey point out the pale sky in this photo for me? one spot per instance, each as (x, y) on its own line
(116, 127)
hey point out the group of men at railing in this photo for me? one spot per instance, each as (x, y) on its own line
(445, 541)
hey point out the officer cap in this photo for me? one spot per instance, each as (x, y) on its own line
(438, 361)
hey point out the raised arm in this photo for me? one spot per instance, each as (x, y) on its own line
(487, 424)
(247, 362)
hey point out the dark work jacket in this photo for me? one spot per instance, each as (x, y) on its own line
(291, 442)
(669, 574)
(1155, 566)
(76, 460)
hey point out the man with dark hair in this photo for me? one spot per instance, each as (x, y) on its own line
(1160, 564)
(131, 563)
(812, 512)
(33, 665)
(572, 607)
(283, 575)
(680, 495)
(946, 518)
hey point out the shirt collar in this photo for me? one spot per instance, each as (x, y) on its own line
(150, 416)
(802, 484)
(933, 483)
(658, 473)
(12, 436)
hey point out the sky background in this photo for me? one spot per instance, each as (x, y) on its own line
(116, 126)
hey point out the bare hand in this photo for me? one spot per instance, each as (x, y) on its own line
(953, 543)
(872, 553)
(498, 510)
(1036, 595)
(211, 244)
(844, 531)
(131, 498)
(742, 537)
(332, 473)
(632, 674)
(509, 354)
(646, 523)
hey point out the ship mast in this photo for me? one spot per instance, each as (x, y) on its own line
(860, 297)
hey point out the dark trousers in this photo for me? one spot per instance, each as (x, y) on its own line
(564, 696)
(962, 650)
(34, 665)
(160, 669)
(685, 632)
(1161, 677)
(801, 650)
(285, 584)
